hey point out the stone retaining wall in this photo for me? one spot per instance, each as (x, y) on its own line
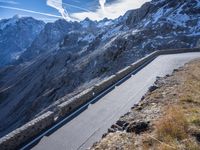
(72, 104)
(99, 87)
(176, 51)
(14, 139)
(144, 60)
(122, 73)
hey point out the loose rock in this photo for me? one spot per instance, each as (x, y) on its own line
(138, 127)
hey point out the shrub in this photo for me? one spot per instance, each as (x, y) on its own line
(173, 126)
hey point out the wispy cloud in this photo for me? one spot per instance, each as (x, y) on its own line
(74, 6)
(9, 2)
(61, 7)
(102, 4)
(111, 11)
(76, 1)
(57, 4)
(30, 11)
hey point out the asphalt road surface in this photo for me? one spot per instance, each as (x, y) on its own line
(89, 126)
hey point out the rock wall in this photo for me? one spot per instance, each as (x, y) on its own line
(144, 60)
(75, 102)
(98, 88)
(14, 139)
(176, 51)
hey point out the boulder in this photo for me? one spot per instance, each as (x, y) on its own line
(153, 88)
(138, 127)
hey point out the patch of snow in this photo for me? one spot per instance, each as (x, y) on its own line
(111, 42)
(159, 37)
(85, 24)
(146, 23)
(161, 13)
(177, 18)
(111, 33)
(4, 23)
(194, 34)
(135, 31)
(84, 49)
(175, 33)
(16, 55)
(157, 2)
(198, 3)
(158, 15)
(196, 29)
(88, 37)
(103, 24)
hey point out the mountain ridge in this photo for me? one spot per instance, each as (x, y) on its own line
(16, 34)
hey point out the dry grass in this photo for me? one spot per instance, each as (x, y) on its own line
(117, 141)
(173, 130)
(173, 126)
(196, 120)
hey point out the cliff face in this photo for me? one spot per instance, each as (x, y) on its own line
(167, 117)
(67, 57)
(16, 34)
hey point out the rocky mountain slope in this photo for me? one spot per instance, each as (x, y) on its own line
(67, 57)
(70, 36)
(16, 34)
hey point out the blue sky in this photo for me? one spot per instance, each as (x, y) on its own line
(50, 10)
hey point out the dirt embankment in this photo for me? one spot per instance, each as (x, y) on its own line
(167, 118)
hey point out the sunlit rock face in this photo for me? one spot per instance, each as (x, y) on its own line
(67, 57)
